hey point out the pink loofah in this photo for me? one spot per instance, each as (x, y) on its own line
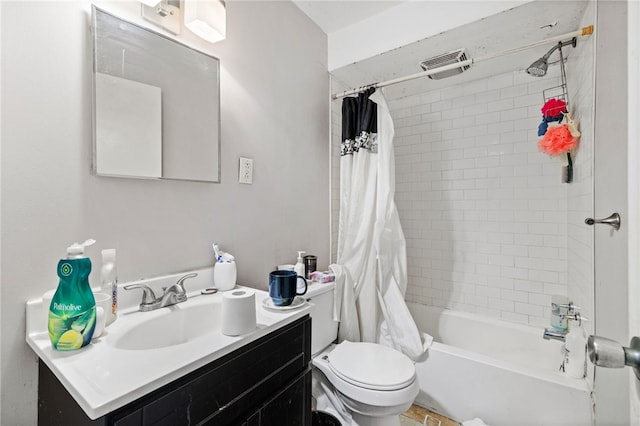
(557, 140)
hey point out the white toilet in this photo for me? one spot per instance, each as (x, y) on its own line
(373, 382)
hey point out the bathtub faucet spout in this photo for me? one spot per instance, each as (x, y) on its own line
(550, 333)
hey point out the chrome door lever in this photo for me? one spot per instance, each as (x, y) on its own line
(613, 221)
(608, 353)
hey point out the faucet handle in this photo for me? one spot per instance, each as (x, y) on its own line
(180, 282)
(148, 296)
(574, 316)
(570, 307)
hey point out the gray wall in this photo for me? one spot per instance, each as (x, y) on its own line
(274, 89)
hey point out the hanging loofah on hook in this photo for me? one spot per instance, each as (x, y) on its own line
(542, 128)
(554, 107)
(557, 140)
(560, 140)
(552, 111)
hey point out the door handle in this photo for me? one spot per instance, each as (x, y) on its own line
(608, 353)
(613, 221)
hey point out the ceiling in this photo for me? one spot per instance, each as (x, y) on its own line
(333, 15)
(510, 29)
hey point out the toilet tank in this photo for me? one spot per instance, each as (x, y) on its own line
(324, 330)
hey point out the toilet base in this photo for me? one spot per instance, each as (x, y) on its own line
(350, 412)
(338, 405)
(368, 415)
(362, 420)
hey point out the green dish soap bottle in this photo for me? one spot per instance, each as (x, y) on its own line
(72, 313)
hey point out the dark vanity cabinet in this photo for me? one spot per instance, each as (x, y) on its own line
(265, 383)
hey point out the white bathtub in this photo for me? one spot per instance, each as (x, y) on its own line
(504, 373)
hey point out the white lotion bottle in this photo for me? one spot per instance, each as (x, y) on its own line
(299, 266)
(576, 347)
(109, 282)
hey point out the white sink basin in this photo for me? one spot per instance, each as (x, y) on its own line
(170, 326)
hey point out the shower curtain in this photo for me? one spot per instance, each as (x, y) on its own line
(371, 267)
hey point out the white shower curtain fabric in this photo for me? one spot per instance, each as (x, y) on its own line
(371, 269)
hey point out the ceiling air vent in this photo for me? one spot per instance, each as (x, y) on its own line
(445, 59)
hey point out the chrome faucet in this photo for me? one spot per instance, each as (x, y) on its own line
(175, 293)
(571, 313)
(172, 295)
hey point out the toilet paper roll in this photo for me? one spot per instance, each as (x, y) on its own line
(238, 312)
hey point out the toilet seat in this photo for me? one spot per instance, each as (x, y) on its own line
(354, 395)
(371, 366)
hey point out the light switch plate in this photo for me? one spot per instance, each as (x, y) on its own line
(245, 171)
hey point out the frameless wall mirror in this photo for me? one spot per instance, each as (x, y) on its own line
(156, 105)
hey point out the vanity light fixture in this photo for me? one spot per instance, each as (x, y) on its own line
(150, 3)
(206, 18)
(163, 13)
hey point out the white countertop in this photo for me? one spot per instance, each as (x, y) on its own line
(102, 377)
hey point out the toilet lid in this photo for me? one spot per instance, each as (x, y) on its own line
(371, 366)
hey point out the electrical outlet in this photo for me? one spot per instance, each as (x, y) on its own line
(245, 171)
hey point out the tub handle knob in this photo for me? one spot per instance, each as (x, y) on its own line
(608, 353)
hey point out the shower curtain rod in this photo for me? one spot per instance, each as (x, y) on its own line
(585, 31)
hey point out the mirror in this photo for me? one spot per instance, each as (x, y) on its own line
(156, 105)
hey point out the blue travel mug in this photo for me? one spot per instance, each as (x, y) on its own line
(283, 286)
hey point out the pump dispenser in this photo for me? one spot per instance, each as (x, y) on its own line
(575, 351)
(299, 267)
(72, 313)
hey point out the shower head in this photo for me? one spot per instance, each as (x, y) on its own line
(539, 67)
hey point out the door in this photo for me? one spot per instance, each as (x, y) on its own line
(615, 189)
(634, 192)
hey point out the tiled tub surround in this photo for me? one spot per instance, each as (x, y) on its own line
(483, 211)
(490, 228)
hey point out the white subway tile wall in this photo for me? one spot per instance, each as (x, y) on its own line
(483, 211)
(486, 216)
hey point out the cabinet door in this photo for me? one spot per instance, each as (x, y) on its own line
(172, 409)
(56, 407)
(253, 420)
(131, 419)
(250, 379)
(291, 406)
(222, 393)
